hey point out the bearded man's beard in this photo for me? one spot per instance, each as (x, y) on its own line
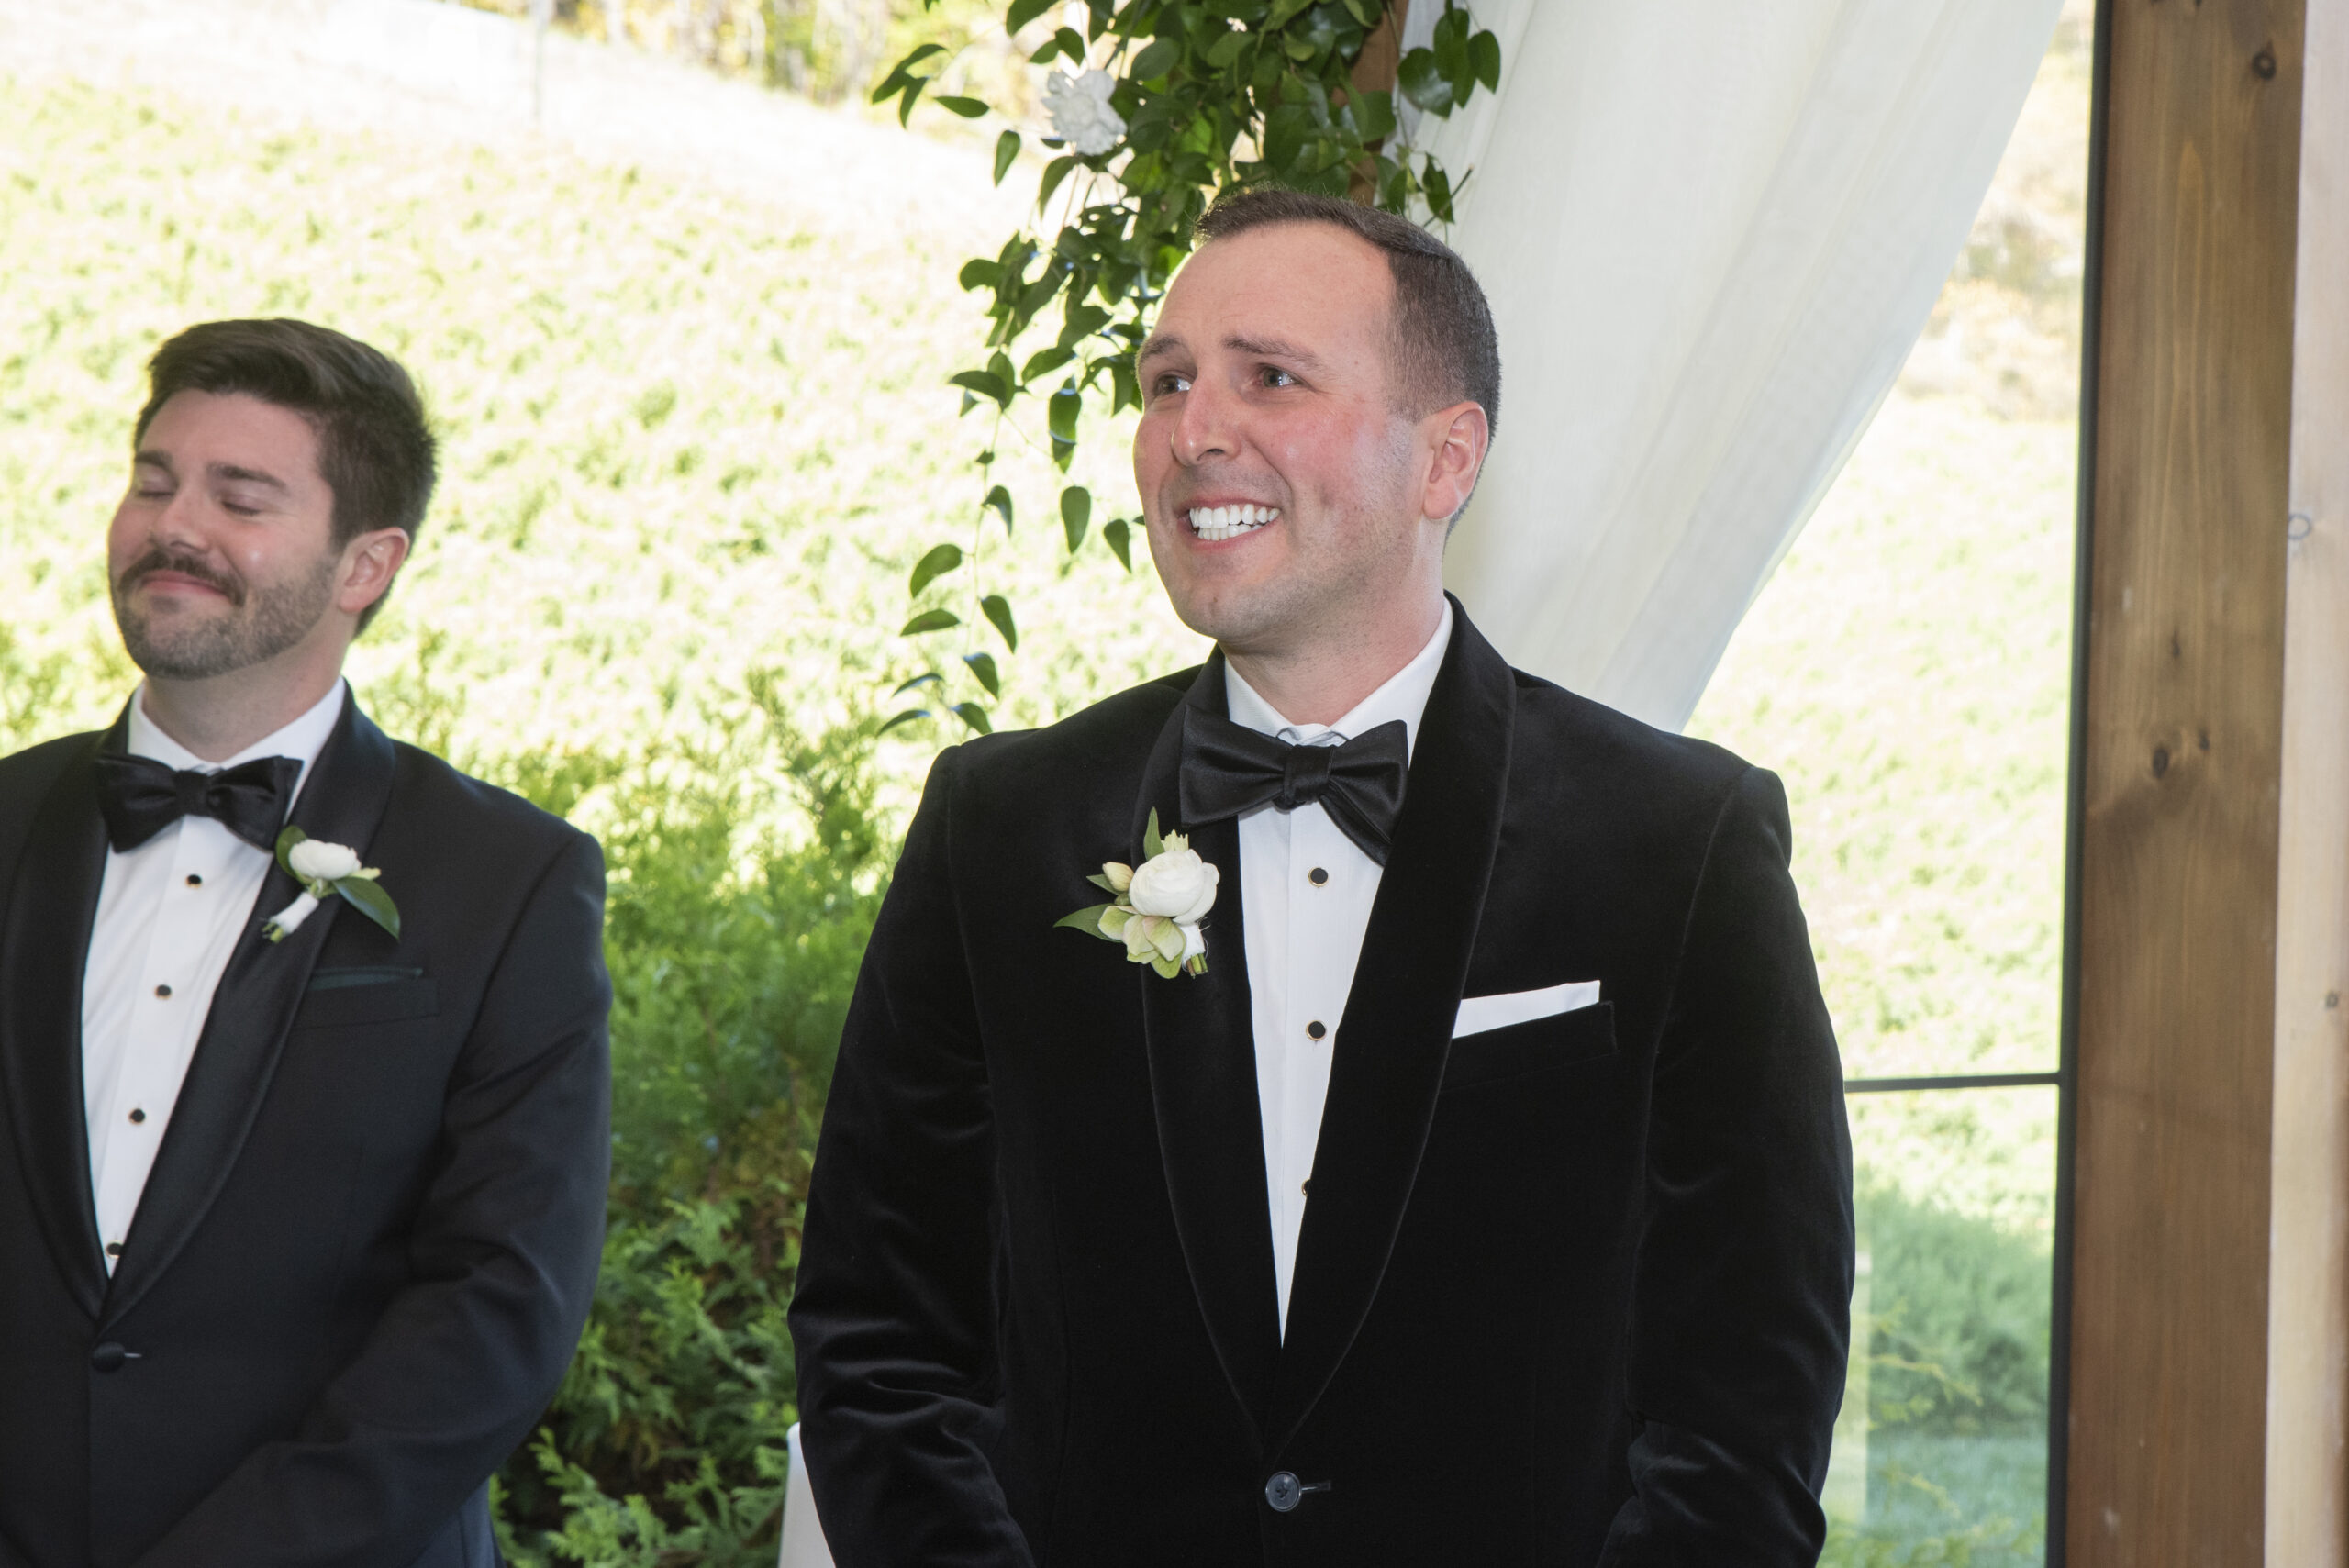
(261, 624)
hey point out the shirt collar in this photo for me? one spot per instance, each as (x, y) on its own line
(302, 739)
(1404, 696)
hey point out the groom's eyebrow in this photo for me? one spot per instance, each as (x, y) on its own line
(1160, 345)
(1274, 349)
(1164, 343)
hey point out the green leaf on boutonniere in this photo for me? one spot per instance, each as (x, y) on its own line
(362, 893)
(1089, 919)
(1152, 845)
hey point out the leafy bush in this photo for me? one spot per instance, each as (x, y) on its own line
(1959, 1318)
(1957, 1326)
(733, 937)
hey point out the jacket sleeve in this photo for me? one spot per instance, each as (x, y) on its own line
(1740, 1320)
(502, 1264)
(893, 1318)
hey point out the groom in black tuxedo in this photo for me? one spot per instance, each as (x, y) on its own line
(1459, 1174)
(297, 1235)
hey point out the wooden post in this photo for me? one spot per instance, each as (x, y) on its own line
(2182, 758)
(2308, 1317)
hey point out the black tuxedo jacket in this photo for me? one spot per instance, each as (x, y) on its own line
(366, 1250)
(1572, 1291)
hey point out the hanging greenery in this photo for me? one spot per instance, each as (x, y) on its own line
(1156, 106)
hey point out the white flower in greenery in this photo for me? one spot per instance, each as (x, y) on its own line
(315, 859)
(1177, 884)
(1159, 905)
(327, 871)
(1081, 113)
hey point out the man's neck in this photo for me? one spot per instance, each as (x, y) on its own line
(1325, 678)
(218, 717)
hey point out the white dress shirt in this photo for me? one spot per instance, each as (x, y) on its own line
(169, 915)
(1305, 892)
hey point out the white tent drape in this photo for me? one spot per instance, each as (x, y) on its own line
(1710, 231)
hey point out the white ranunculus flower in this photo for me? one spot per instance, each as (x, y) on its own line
(314, 859)
(1177, 884)
(1081, 113)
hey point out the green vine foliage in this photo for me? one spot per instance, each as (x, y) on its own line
(1205, 94)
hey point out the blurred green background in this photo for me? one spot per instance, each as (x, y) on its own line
(695, 430)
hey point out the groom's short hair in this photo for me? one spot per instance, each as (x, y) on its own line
(1445, 349)
(376, 451)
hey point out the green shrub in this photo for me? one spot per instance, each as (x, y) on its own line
(1957, 1326)
(733, 936)
(1960, 1320)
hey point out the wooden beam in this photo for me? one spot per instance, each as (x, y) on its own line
(2179, 779)
(2307, 1315)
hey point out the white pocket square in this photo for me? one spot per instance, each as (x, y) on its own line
(1479, 1014)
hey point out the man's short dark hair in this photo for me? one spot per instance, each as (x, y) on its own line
(375, 450)
(1445, 349)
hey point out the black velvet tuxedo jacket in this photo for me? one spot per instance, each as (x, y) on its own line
(1568, 1292)
(366, 1250)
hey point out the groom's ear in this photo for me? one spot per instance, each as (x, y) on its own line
(1458, 437)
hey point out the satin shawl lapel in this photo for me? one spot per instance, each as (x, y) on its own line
(1396, 1030)
(342, 803)
(1203, 1080)
(53, 904)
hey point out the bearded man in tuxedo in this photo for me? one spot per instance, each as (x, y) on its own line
(1480, 1194)
(299, 1220)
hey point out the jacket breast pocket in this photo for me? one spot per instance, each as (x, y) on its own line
(1562, 1039)
(377, 994)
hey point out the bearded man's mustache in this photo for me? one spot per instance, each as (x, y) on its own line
(160, 559)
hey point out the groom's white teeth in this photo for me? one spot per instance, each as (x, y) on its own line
(1213, 523)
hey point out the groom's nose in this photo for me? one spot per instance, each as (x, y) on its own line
(1207, 424)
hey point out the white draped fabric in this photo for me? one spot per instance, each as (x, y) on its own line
(1710, 231)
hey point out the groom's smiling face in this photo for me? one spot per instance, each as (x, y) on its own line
(1280, 476)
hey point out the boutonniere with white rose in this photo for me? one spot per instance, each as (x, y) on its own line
(328, 870)
(1159, 905)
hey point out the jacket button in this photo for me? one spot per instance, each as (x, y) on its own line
(1281, 1491)
(110, 1356)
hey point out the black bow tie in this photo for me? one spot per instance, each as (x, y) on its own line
(141, 797)
(1229, 768)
